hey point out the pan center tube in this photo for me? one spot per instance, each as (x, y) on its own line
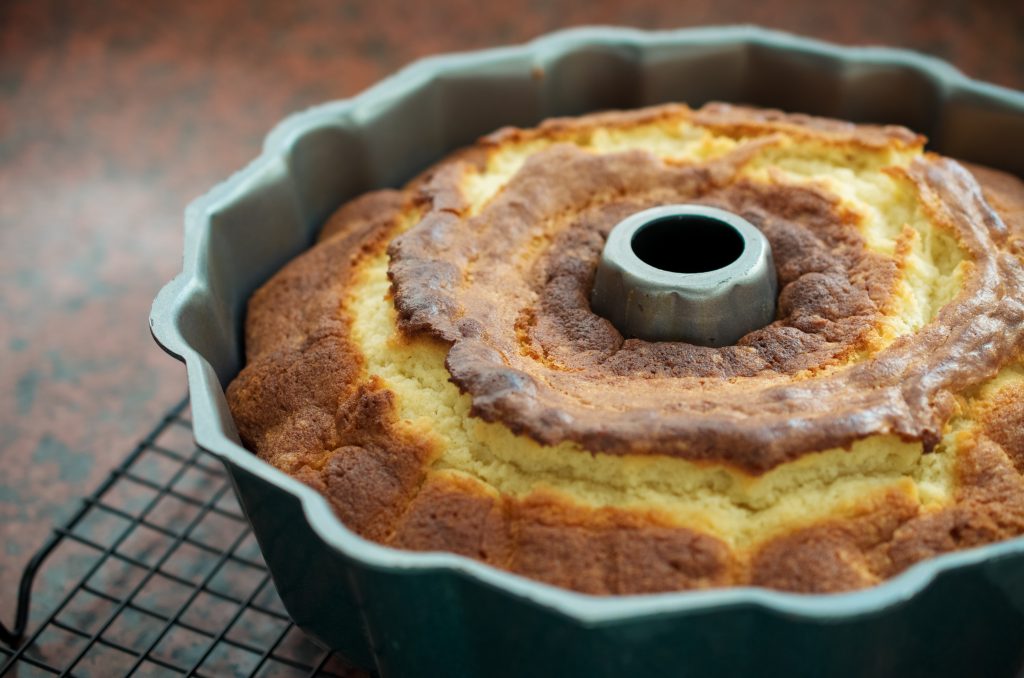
(688, 273)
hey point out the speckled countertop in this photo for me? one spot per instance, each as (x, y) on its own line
(113, 115)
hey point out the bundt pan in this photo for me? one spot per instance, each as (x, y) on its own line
(404, 613)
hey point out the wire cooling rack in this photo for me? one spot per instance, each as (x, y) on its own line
(158, 574)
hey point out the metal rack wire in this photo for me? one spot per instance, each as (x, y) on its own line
(158, 574)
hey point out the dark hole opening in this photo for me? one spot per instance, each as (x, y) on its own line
(687, 244)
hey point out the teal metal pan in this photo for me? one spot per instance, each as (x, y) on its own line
(403, 613)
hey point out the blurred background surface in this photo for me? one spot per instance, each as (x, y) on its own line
(114, 115)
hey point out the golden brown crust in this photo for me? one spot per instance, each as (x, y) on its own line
(1003, 423)
(989, 507)
(301, 368)
(306, 403)
(834, 556)
(598, 551)
(894, 534)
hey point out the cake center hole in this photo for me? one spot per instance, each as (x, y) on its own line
(688, 244)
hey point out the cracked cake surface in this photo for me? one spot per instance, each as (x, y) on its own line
(433, 367)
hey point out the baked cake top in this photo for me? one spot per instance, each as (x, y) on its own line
(433, 366)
